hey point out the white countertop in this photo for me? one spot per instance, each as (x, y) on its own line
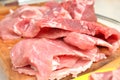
(109, 8)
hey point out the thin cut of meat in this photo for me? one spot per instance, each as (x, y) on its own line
(21, 23)
(41, 57)
(26, 28)
(27, 21)
(110, 75)
(68, 24)
(56, 11)
(84, 27)
(80, 9)
(52, 33)
(34, 12)
(86, 42)
(80, 66)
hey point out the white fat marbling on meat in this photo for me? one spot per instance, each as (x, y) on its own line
(55, 64)
(74, 71)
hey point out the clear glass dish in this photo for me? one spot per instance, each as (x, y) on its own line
(109, 22)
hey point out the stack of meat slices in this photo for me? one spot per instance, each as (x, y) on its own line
(58, 38)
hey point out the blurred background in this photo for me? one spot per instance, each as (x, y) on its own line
(108, 8)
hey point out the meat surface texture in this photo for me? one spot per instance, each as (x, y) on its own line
(21, 23)
(41, 57)
(110, 75)
(80, 9)
(58, 38)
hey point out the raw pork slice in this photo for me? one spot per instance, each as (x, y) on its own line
(110, 75)
(21, 23)
(56, 11)
(43, 57)
(86, 42)
(80, 9)
(27, 21)
(91, 28)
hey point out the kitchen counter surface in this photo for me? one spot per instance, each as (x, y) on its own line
(108, 8)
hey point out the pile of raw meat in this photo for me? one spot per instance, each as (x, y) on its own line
(58, 38)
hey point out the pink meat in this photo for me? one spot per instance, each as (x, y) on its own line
(34, 12)
(80, 66)
(110, 75)
(86, 42)
(21, 23)
(101, 76)
(52, 33)
(91, 28)
(56, 11)
(62, 38)
(80, 9)
(27, 21)
(41, 57)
